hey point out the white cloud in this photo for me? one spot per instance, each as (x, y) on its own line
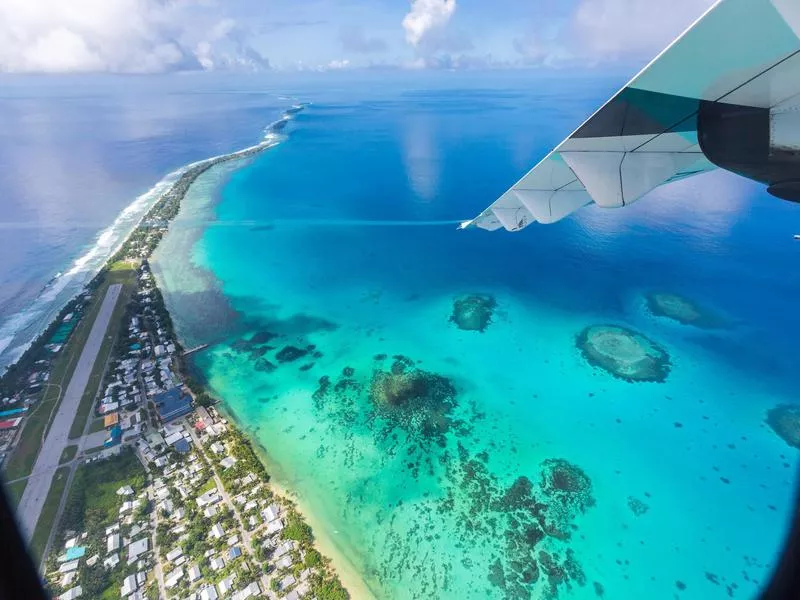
(126, 36)
(610, 29)
(426, 16)
(600, 31)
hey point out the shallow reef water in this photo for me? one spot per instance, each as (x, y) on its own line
(471, 415)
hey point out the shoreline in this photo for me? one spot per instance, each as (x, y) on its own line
(158, 216)
(348, 574)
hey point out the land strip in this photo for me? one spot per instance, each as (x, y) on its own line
(35, 494)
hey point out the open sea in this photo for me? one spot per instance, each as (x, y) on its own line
(328, 265)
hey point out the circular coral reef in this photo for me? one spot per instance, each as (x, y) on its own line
(566, 484)
(785, 421)
(681, 309)
(473, 312)
(412, 398)
(624, 353)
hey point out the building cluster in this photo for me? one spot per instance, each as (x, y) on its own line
(142, 376)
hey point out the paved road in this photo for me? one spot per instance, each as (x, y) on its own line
(32, 502)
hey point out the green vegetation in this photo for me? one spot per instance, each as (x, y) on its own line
(93, 496)
(48, 516)
(96, 425)
(15, 490)
(328, 588)
(119, 272)
(298, 530)
(68, 454)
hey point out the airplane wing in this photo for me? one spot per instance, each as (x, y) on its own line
(726, 93)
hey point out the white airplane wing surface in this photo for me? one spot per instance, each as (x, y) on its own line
(725, 94)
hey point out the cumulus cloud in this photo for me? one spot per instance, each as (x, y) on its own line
(600, 31)
(126, 36)
(426, 16)
(354, 39)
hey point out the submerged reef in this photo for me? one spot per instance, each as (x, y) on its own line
(624, 353)
(785, 421)
(637, 507)
(681, 309)
(532, 522)
(413, 399)
(473, 312)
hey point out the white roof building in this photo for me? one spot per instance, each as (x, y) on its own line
(217, 563)
(69, 566)
(112, 543)
(136, 548)
(111, 561)
(194, 573)
(128, 586)
(174, 554)
(208, 593)
(225, 585)
(217, 531)
(172, 578)
(71, 594)
(271, 512)
(227, 462)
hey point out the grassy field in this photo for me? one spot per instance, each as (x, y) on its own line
(68, 454)
(14, 491)
(96, 425)
(49, 510)
(119, 272)
(21, 461)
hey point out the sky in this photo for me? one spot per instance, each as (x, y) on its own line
(153, 36)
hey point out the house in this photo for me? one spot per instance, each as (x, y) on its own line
(217, 531)
(217, 563)
(111, 561)
(271, 512)
(285, 562)
(251, 590)
(225, 585)
(210, 497)
(234, 553)
(125, 490)
(172, 404)
(227, 462)
(217, 448)
(293, 595)
(208, 593)
(71, 594)
(128, 586)
(112, 543)
(174, 554)
(194, 573)
(136, 548)
(172, 578)
(287, 581)
(69, 566)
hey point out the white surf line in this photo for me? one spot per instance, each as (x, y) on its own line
(41, 478)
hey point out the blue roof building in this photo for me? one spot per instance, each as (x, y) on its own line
(234, 552)
(172, 404)
(114, 436)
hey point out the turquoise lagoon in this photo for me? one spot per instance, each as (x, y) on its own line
(527, 472)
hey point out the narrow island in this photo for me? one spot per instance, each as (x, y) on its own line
(158, 494)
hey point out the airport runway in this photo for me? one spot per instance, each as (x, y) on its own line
(32, 502)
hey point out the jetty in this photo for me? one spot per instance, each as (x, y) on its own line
(195, 349)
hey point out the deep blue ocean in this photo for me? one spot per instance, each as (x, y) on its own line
(343, 237)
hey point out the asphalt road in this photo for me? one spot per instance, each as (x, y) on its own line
(32, 502)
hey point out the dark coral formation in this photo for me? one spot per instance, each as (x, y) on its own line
(413, 399)
(531, 521)
(473, 312)
(290, 353)
(681, 309)
(624, 353)
(785, 421)
(637, 507)
(418, 418)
